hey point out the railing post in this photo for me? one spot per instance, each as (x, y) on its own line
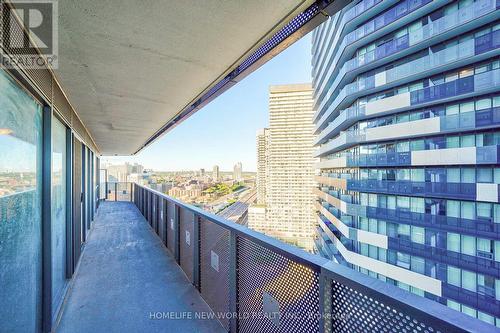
(176, 234)
(116, 191)
(196, 251)
(233, 282)
(131, 193)
(325, 306)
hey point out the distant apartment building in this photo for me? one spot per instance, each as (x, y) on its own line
(216, 173)
(262, 162)
(140, 178)
(238, 172)
(161, 187)
(407, 113)
(288, 168)
(188, 193)
(257, 217)
(122, 172)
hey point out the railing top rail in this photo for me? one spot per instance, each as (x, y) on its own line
(427, 311)
(313, 261)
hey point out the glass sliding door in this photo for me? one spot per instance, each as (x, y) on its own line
(58, 212)
(20, 208)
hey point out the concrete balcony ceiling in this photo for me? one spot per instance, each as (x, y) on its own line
(129, 67)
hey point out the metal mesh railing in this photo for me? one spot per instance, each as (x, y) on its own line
(186, 252)
(214, 267)
(254, 283)
(283, 290)
(117, 191)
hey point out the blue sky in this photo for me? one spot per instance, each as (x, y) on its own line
(223, 132)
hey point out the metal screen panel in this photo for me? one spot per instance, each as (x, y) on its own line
(186, 242)
(61, 103)
(111, 192)
(157, 215)
(149, 207)
(154, 211)
(40, 77)
(123, 192)
(281, 292)
(214, 267)
(171, 227)
(353, 311)
(144, 202)
(161, 221)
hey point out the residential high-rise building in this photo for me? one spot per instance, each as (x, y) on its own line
(238, 172)
(215, 173)
(289, 175)
(407, 102)
(262, 159)
(122, 172)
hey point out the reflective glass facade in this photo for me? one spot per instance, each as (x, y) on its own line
(39, 248)
(20, 208)
(407, 117)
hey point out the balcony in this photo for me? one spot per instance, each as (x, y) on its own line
(163, 257)
(452, 57)
(338, 207)
(441, 29)
(469, 86)
(467, 121)
(395, 17)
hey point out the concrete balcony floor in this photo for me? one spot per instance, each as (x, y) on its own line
(125, 274)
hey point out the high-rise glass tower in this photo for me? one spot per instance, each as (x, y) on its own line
(407, 113)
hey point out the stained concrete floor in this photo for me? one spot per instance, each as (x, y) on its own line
(126, 276)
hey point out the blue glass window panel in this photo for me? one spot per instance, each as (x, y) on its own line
(453, 242)
(469, 280)
(453, 276)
